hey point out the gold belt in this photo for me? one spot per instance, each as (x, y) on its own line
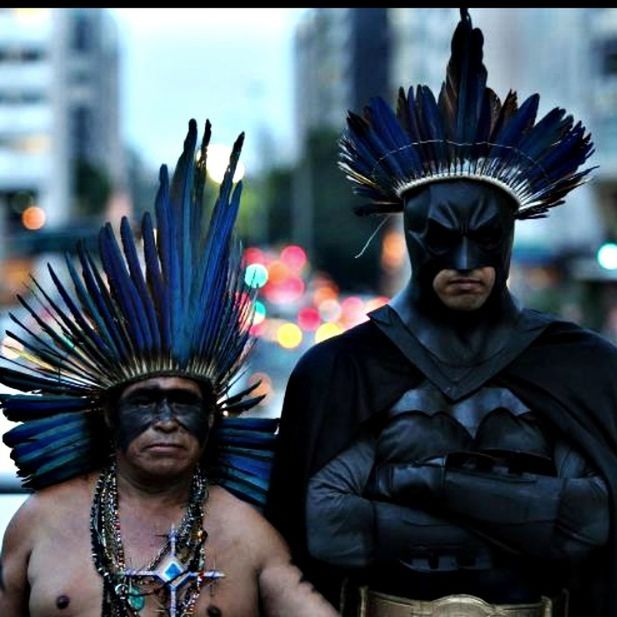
(376, 604)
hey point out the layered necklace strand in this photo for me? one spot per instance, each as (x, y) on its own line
(174, 576)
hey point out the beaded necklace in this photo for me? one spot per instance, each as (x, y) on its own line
(174, 576)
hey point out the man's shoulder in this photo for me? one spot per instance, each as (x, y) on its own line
(361, 341)
(79, 486)
(54, 500)
(560, 331)
(42, 508)
(567, 346)
(234, 518)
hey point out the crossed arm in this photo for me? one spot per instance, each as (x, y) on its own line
(358, 515)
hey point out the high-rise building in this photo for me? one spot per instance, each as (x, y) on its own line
(58, 106)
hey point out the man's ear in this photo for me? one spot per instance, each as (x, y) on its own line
(107, 417)
(108, 406)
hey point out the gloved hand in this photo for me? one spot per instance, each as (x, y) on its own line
(409, 482)
(413, 437)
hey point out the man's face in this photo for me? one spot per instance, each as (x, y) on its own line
(161, 424)
(459, 237)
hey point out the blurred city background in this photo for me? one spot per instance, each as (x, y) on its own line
(93, 100)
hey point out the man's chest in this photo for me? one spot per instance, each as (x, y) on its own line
(423, 424)
(64, 583)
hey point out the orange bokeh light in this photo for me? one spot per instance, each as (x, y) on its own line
(33, 218)
(393, 250)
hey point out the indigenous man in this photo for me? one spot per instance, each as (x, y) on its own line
(457, 453)
(141, 475)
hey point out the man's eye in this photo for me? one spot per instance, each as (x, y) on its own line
(487, 237)
(139, 401)
(188, 399)
(441, 237)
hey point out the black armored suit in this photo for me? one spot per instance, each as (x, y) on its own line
(525, 515)
(456, 454)
(480, 495)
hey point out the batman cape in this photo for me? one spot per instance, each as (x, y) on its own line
(565, 373)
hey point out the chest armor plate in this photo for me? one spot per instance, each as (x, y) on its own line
(424, 424)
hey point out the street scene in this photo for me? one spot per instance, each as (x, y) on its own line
(392, 168)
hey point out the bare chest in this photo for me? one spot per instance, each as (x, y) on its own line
(64, 582)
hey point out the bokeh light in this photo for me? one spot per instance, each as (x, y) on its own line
(353, 311)
(289, 335)
(254, 255)
(258, 329)
(326, 331)
(260, 313)
(294, 256)
(607, 256)
(289, 290)
(264, 388)
(393, 250)
(375, 303)
(278, 271)
(217, 161)
(330, 310)
(309, 318)
(256, 275)
(324, 292)
(33, 218)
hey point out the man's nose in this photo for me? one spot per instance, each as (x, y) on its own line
(462, 258)
(165, 418)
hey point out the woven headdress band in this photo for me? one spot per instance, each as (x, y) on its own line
(466, 134)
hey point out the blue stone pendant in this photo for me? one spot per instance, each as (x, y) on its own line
(135, 598)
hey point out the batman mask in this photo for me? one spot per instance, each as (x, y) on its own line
(458, 225)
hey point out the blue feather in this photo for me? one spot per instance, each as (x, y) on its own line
(121, 286)
(100, 296)
(108, 347)
(137, 277)
(155, 280)
(24, 381)
(25, 407)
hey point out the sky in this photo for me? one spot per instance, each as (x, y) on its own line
(233, 66)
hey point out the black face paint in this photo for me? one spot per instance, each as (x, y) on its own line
(458, 225)
(62, 601)
(147, 406)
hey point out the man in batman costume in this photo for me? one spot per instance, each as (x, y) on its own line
(456, 455)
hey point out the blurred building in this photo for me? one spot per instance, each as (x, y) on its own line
(58, 110)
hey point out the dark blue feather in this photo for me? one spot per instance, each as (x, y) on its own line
(155, 281)
(100, 296)
(146, 307)
(25, 407)
(121, 286)
(108, 347)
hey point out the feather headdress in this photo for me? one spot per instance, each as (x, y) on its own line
(186, 311)
(468, 133)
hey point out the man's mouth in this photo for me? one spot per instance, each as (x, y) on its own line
(465, 281)
(465, 284)
(164, 446)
